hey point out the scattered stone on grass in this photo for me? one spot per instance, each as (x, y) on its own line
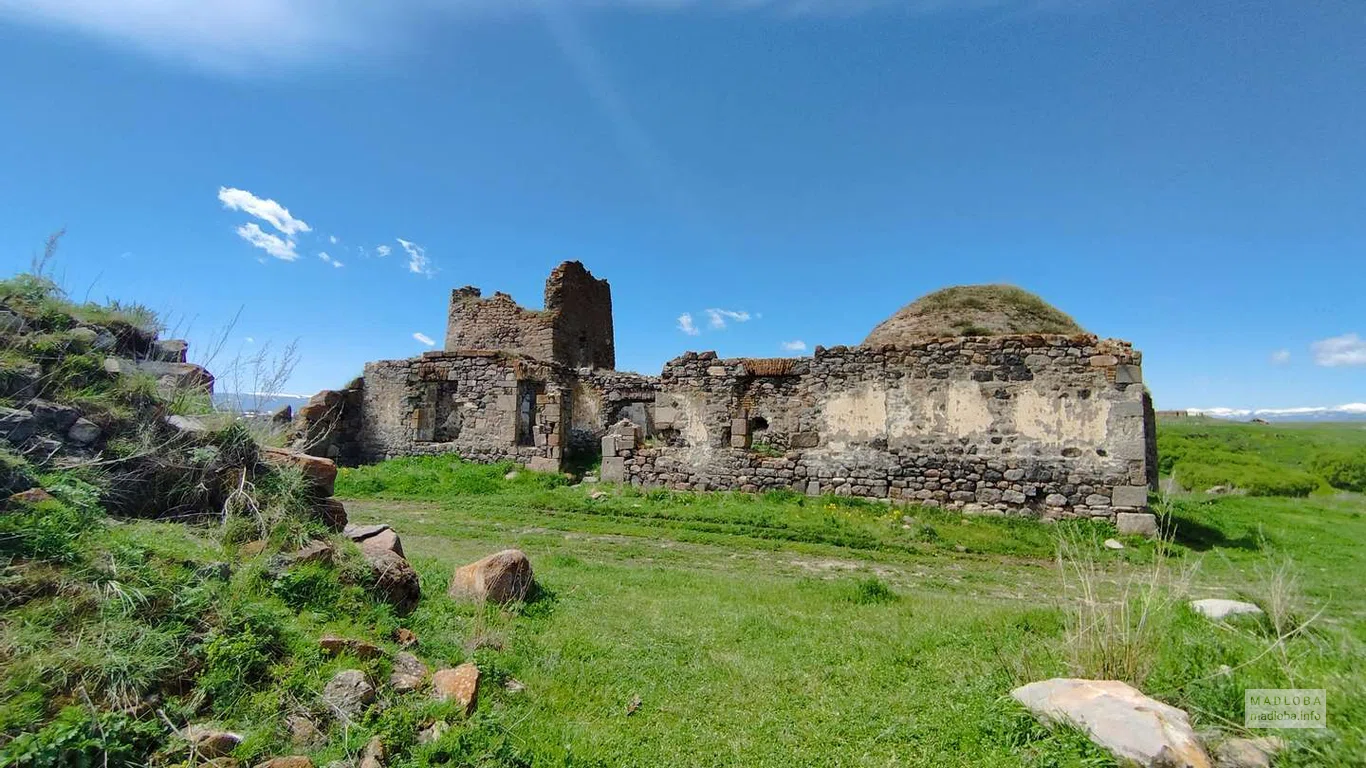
(209, 742)
(361, 649)
(321, 473)
(1136, 524)
(409, 673)
(1113, 544)
(293, 761)
(395, 581)
(1119, 718)
(433, 732)
(348, 693)
(405, 637)
(460, 685)
(316, 551)
(304, 733)
(374, 538)
(1247, 753)
(1218, 609)
(31, 496)
(373, 754)
(503, 577)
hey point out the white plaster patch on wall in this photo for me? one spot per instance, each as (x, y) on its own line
(955, 408)
(585, 408)
(859, 415)
(1060, 421)
(692, 424)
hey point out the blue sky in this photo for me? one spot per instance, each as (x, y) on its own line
(1186, 175)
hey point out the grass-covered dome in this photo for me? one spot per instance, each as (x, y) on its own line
(972, 310)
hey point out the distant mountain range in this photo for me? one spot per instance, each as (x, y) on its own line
(256, 402)
(1347, 412)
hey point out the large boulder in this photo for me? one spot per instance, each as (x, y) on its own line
(332, 513)
(1134, 728)
(321, 473)
(395, 581)
(169, 376)
(502, 577)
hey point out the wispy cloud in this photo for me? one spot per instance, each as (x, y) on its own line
(1280, 357)
(265, 209)
(418, 263)
(685, 324)
(333, 239)
(1347, 349)
(383, 250)
(329, 260)
(425, 339)
(716, 318)
(260, 37)
(794, 346)
(278, 247)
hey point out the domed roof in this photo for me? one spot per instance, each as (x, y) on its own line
(972, 310)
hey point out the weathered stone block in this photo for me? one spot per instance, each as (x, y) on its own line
(1130, 496)
(613, 469)
(1137, 524)
(1128, 374)
(543, 464)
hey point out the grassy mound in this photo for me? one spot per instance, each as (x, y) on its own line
(972, 310)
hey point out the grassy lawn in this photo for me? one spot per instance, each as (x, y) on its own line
(781, 630)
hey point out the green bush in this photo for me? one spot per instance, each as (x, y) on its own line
(75, 739)
(1343, 469)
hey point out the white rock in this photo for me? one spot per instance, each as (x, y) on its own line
(1119, 718)
(1112, 544)
(1219, 609)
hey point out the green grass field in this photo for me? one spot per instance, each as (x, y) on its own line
(781, 630)
(685, 629)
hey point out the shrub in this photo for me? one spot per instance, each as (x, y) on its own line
(77, 737)
(872, 591)
(1342, 469)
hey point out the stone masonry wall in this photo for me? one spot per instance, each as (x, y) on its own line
(1050, 426)
(574, 329)
(465, 403)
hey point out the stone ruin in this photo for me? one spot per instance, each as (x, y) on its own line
(1047, 425)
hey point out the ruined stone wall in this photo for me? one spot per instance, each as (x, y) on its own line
(580, 307)
(574, 329)
(497, 323)
(465, 403)
(1054, 426)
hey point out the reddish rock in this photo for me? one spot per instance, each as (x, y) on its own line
(333, 646)
(312, 552)
(31, 496)
(293, 761)
(321, 473)
(373, 755)
(405, 637)
(332, 513)
(375, 538)
(460, 685)
(503, 577)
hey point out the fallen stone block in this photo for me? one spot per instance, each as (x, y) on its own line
(503, 577)
(1133, 727)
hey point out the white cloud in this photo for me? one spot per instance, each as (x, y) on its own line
(266, 210)
(794, 346)
(1347, 349)
(251, 340)
(275, 246)
(383, 250)
(333, 239)
(329, 260)
(1227, 413)
(425, 339)
(418, 263)
(716, 318)
(1280, 357)
(260, 37)
(685, 324)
